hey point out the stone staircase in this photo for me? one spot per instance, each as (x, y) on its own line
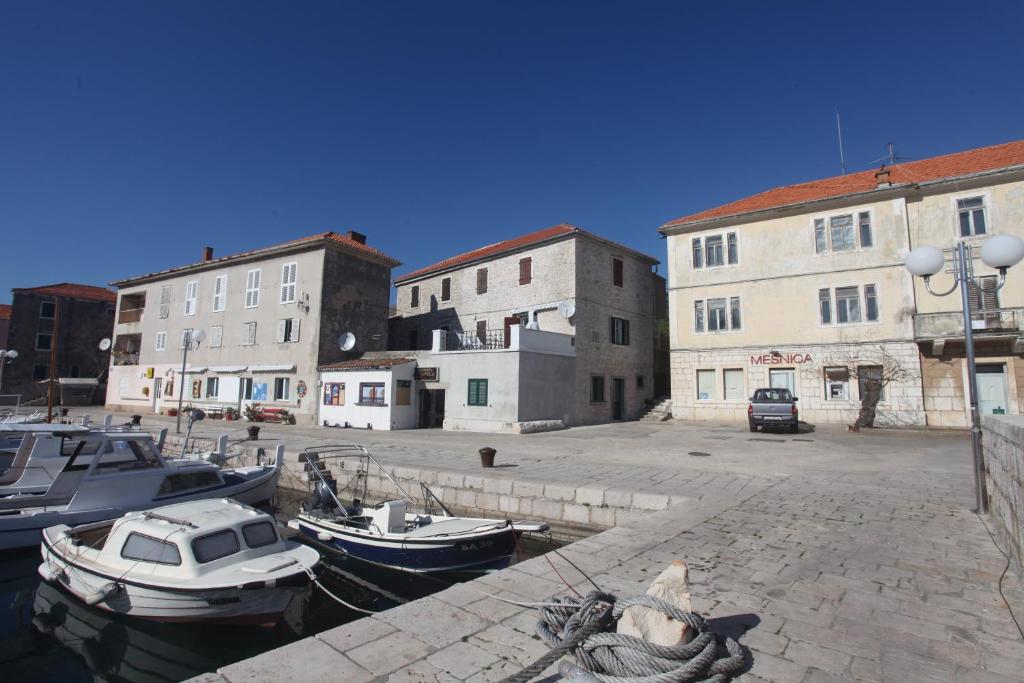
(658, 410)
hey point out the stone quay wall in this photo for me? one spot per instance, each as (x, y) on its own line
(1003, 440)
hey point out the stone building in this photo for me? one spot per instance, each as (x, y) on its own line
(5, 324)
(561, 280)
(804, 286)
(86, 316)
(270, 316)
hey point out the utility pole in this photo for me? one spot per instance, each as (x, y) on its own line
(53, 360)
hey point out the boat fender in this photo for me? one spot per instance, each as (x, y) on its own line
(322, 536)
(52, 574)
(101, 594)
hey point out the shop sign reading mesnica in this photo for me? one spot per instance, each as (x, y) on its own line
(781, 359)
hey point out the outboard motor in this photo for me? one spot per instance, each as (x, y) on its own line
(322, 498)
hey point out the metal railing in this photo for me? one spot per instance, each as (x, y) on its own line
(951, 323)
(487, 340)
(126, 358)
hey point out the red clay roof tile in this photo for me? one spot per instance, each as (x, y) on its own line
(5, 311)
(912, 172)
(366, 363)
(71, 290)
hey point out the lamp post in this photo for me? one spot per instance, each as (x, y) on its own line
(190, 338)
(5, 358)
(1000, 252)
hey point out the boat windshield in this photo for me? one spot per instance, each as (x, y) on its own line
(215, 546)
(128, 455)
(148, 549)
(259, 534)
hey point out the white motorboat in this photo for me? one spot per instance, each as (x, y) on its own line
(102, 474)
(401, 534)
(201, 561)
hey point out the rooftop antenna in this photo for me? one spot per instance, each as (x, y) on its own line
(839, 130)
(891, 158)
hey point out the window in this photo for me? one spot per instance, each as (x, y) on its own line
(216, 336)
(215, 546)
(716, 316)
(334, 393)
(782, 378)
(866, 374)
(165, 301)
(597, 388)
(212, 386)
(971, 216)
(245, 388)
(825, 306)
(477, 392)
(414, 297)
(446, 289)
(44, 342)
(288, 330)
(870, 303)
(987, 297)
(733, 382)
(734, 313)
(732, 249)
(191, 296)
(43, 371)
(248, 334)
(122, 386)
(705, 385)
(371, 393)
(620, 331)
(617, 272)
(281, 385)
(525, 270)
(259, 534)
(220, 292)
(847, 305)
(864, 225)
(481, 330)
(820, 238)
(47, 309)
(698, 315)
(698, 253)
(146, 549)
(837, 384)
(161, 341)
(713, 251)
(252, 288)
(481, 280)
(841, 232)
(288, 277)
(186, 337)
(639, 381)
(403, 392)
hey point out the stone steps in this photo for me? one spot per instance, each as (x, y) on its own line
(658, 412)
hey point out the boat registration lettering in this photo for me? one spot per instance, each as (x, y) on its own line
(475, 545)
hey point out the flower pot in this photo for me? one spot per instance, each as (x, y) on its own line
(487, 457)
(254, 432)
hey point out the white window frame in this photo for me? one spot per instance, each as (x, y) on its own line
(249, 334)
(213, 382)
(703, 250)
(862, 305)
(44, 334)
(284, 382)
(184, 335)
(160, 343)
(216, 336)
(714, 383)
(191, 297)
(252, 287)
(743, 384)
(703, 306)
(288, 330)
(165, 302)
(986, 201)
(843, 384)
(220, 293)
(289, 280)
(854, 213)
(47, 317)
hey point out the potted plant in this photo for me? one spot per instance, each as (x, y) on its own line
(254, 432)
(253, 412)
(230, 414)
(172, 412)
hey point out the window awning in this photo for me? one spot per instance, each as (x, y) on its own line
(195, 370)
(272, 368)
(71, 381)
(227, 368)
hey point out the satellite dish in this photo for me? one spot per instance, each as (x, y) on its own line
(567, 309)
(105, 344)
(12, 354)
(199, 336)
(347, 341)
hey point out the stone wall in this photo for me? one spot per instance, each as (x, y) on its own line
(1003, 439)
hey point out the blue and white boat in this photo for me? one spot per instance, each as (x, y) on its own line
(399, 533)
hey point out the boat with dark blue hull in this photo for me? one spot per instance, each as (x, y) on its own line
(401, 534)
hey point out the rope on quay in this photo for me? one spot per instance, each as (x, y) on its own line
(313, 578)
(584, 628)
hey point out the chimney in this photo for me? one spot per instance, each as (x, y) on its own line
(882, 178)
(207, 254)
(356, 236)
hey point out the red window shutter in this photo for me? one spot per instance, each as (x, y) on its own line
(525, 271)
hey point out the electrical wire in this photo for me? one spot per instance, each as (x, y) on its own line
(1002, 576)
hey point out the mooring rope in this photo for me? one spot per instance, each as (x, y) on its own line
(584, 627)
(314, 580)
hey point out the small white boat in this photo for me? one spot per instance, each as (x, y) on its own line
(74, 475)
(203, 561)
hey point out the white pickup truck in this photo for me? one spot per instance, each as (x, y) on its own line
(773, 408)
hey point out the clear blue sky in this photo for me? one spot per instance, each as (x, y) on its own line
(132, 134)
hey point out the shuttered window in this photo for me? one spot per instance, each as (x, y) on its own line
(620, 331)
(191, 295)
(446, 289)
(165, 301)
(617, 272)
(252, 288)
(248, 334)
(161, 341)
(525, 271)
(414, 297)
(217, 336)
(986, 298)
(481, 280)
(288, 330)
(220, 292)
(477, 392)
(289, 271)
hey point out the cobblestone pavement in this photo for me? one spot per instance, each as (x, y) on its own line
(855, 559)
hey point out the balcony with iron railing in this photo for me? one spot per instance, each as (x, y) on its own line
(126, 349)
(512, 338)
(129, 315)
(994, 322)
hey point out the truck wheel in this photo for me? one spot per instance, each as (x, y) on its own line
(794, 429)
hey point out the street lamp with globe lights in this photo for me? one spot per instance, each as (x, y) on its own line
(192, 340)
(1001, 252)
(5, 358)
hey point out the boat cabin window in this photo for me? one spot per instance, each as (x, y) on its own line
(259, 534)
(128, 455)
(147, 549)
(80, 447)
(185, 481)
(215, 546)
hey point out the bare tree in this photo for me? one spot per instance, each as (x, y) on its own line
(875, 368)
